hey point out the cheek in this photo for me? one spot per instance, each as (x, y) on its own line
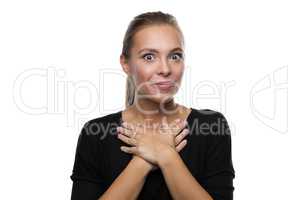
(143, 78)
(178, 73)
(144, 73)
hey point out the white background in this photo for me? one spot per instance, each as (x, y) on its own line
(59, 64)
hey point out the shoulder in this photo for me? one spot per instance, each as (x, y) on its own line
(100, 127)
(210, 122)
(208, 114)
(108, 118)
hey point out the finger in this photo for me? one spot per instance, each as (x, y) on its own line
(132, 150)
(137, 127)
(178, 125)
(181, 125)
(128, 126)
(171, 128)
(127, 132)
(176, 121)
(181, 136)
(131, 129)
(127, 140)
(181, 145)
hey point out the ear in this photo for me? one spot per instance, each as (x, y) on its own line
(124, 64)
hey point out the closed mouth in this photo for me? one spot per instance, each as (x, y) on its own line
(165, 83)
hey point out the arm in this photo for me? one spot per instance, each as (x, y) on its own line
(181, 183)
(130, 182)
(217, 179)
(88, 179)
(219, 172)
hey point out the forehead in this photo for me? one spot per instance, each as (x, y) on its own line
(160, 37)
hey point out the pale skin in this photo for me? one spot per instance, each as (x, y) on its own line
(137, 170)
(156, 55)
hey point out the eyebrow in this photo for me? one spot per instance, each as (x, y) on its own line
(156, 51)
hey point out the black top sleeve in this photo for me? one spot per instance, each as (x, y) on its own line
(88, 184)
(219, 171)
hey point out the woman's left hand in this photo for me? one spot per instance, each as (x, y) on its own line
(150, 143)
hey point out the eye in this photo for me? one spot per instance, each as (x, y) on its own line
(148, 57)
(176, 56)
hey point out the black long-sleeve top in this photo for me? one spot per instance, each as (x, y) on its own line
(207, 155)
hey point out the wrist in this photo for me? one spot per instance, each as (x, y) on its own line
(141, 164)
(166, 157)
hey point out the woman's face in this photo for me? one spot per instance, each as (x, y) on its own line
(156, 56)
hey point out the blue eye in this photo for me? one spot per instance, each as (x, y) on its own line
(148, 57)
(176, 56)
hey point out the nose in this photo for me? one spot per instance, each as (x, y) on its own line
(164, 68)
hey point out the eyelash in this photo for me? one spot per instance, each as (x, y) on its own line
(147, 54)
(179, 54)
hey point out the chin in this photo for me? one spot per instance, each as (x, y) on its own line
(163, 98)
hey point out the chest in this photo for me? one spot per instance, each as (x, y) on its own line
(192, 155)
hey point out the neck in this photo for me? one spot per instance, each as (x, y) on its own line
(147, 109)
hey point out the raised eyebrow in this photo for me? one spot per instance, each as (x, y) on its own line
(147, 49)
(156, 51)
(177, 49)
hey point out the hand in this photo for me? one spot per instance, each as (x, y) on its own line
(148, 143)
(180, 144)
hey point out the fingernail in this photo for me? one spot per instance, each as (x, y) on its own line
(177, 120)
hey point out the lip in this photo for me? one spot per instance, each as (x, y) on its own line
(164, 85)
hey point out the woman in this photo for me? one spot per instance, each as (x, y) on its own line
(155, 148)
